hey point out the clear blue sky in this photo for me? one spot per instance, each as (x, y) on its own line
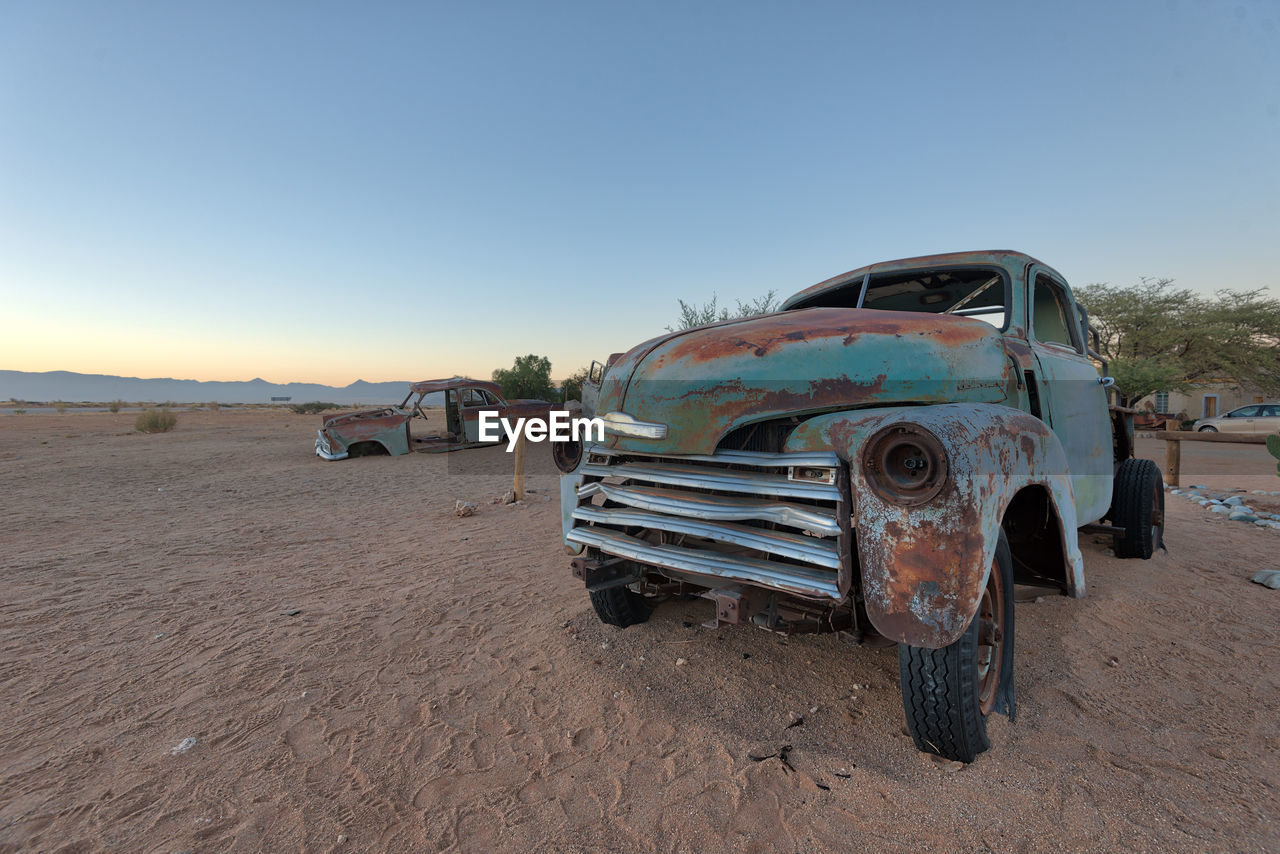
(332, 191)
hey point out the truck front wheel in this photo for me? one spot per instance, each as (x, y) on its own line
(948, 693)
(619, 606)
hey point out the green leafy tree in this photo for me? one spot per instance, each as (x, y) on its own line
(572, 388)
(1161, 338)
(529, 377)
(712, 312)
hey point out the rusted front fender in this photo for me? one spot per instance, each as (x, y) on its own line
(387, 427)
(924, 567)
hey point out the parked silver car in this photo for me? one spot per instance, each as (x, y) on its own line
(1254, 418)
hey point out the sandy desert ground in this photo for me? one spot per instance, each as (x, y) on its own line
(445, 685)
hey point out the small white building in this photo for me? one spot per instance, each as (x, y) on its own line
(1202, 400)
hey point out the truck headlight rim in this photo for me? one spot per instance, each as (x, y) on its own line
(905, 463)
(567, 455)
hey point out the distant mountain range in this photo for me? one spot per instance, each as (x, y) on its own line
(71, 387)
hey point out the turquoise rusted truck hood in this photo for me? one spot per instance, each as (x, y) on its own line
(704, 382)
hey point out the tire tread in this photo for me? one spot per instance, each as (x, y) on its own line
(619, 606)
(1135, 483)
(940, 693)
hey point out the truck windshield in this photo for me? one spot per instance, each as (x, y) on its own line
(970, 292)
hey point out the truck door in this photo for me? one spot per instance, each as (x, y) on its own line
(1074, 402)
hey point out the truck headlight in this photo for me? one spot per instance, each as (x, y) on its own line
(905, 463)
(567, 454)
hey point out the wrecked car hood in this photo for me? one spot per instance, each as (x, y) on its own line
(707, 381)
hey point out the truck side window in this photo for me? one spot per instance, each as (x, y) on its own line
(1050, 313)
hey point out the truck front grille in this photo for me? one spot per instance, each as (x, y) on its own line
(736, 516)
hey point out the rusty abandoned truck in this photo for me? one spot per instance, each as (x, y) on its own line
(887, 455)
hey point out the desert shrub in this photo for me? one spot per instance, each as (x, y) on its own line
(114, 406)
(60, 406)
(155, 421)
(312, 408)
(19, 412)
(1273, 447)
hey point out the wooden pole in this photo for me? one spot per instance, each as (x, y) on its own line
(1172, 460)
(1232, 438)
(517, 485)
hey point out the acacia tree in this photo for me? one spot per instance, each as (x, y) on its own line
(529, 377)
(692, 315)
(1160, 338)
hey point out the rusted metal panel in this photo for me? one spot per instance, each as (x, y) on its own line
(705, 382)
(924, 566)
(387, 427)
(1075, 404)
(733, 607)
(430, 386)
(603, 574)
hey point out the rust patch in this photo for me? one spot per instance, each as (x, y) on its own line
(717, 341)
(926, 592)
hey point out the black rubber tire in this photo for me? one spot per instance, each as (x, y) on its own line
(619, 606)
(1208, 428)
(941, 687)
(1137, 498)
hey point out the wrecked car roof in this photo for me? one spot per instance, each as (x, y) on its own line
(428, 386)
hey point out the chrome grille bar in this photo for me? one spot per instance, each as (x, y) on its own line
(717, 508)
(795, 546)
(791, 579)
(726, 480)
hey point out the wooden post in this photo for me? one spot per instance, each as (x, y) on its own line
(1233, 438)
(517, 485)
(1172, 460)
(1173, 440)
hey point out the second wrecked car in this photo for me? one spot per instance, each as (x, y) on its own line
(389, 429)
